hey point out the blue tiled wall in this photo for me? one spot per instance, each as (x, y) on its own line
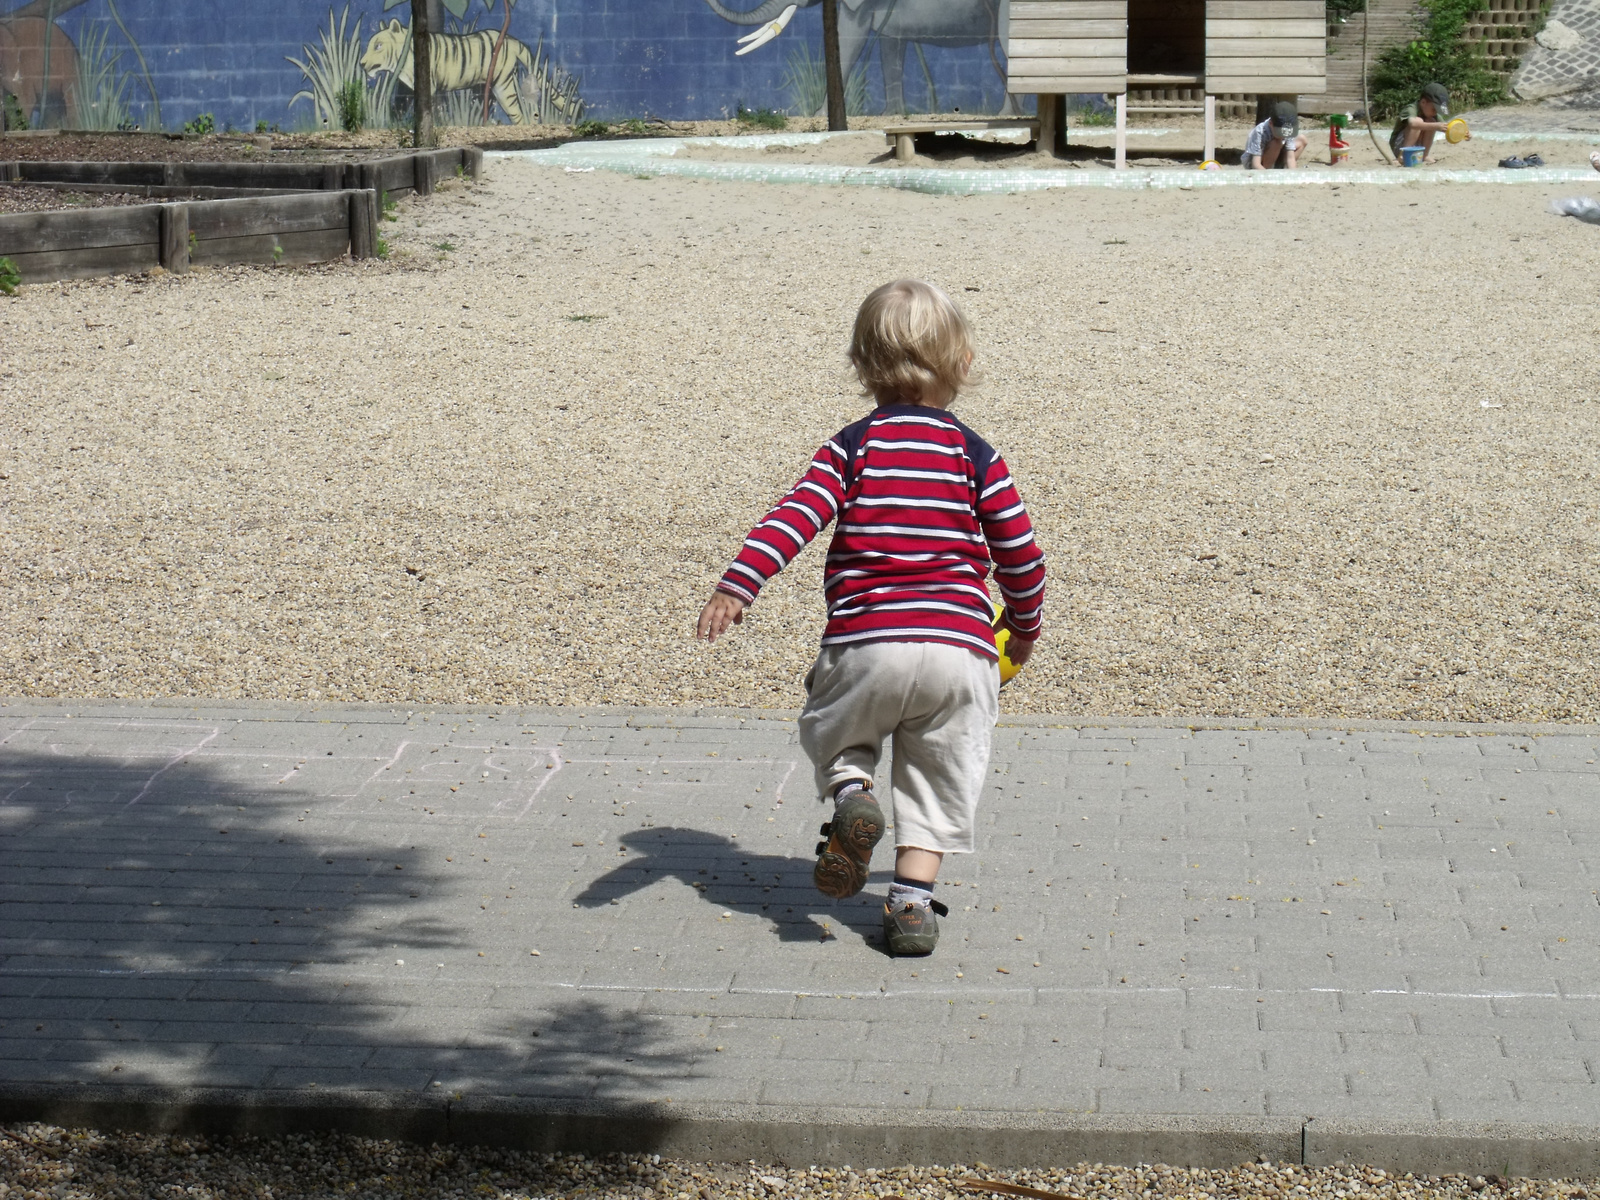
(666, 58)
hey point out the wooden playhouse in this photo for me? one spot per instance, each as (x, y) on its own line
(1058, 48)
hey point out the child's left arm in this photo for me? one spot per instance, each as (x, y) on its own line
(1018, 561)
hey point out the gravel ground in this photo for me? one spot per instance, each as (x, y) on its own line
(40, 1162)
(1291, 452)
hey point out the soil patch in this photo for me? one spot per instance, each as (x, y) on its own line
(19, 198)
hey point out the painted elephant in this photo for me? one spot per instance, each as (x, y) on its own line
(896, 23)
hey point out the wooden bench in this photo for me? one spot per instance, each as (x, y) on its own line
(902, 136)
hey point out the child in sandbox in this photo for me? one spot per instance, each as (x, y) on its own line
(1276, 142)
(922, 505)
(1419, 123)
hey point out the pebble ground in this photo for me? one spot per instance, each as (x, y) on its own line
(42, 1162)
(1291, 452)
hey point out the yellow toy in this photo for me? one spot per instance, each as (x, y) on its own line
(1211, 164)
(1456, 132)
(1008, 669)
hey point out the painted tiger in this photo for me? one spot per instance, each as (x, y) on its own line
(460, 60)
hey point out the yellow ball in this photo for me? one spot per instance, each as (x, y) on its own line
(1008, 669)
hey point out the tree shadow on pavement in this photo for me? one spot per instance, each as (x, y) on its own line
(183, 923)
(731, 877)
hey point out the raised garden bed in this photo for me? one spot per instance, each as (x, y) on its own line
(277, 212)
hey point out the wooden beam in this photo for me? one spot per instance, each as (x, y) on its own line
(1286, 85)
(1069, 10)
(1055, 27)
(1024, 85)
(1068, 48)
(175, 238)
(1264, 49)
(1292, 27)
(1256, 10)
(363, 223)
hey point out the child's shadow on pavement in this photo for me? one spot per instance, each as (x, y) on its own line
(731, 877)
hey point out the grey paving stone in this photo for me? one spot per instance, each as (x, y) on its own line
(232, 979)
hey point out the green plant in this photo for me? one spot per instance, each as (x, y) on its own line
(352, 102)
(98, 99)
(1340, 10)
(585, 318)
(11, 110)
(380, 247)
(328, 68)
(444, 247)
(1091, 116)
(203, 124)
(277, 252)
(1437, 56)
(194, 242)
(591, 128)
(806, 81)
(10, 277)
(759, 118)
(391, 208)
(634, 126)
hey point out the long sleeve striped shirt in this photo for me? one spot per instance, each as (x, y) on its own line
(923, 505)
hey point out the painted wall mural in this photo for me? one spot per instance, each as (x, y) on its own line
(306, 64)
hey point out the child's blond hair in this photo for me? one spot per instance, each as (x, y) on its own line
(911, 344)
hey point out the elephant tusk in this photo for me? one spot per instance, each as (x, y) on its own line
(767, 32)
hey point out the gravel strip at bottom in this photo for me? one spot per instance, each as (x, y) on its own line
(43, 1161)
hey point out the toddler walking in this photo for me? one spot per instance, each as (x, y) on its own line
(922, 505)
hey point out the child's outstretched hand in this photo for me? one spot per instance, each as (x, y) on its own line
(721, 611)
(1018, 650)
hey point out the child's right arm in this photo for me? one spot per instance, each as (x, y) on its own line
(777, 538)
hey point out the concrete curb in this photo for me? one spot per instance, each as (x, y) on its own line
(826, 1136)
(353, 710)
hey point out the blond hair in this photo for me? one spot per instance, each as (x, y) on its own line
(911, 344)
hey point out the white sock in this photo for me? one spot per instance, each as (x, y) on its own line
(901, 894)
(845, 790)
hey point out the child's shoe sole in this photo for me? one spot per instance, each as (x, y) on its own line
(913, 931)
(846, 852)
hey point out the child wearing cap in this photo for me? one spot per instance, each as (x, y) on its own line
(1419, 123)
(1276, 142)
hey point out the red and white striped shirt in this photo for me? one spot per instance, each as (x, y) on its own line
(923, 507)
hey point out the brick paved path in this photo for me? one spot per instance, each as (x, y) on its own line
(1159, 920)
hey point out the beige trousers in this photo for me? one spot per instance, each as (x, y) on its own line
(938, 702)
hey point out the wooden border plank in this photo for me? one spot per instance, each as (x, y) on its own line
(269, 215)
(304, 246)
(81, 229)
(46, 266)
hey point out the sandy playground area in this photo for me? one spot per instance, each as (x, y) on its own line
(1311, 451)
